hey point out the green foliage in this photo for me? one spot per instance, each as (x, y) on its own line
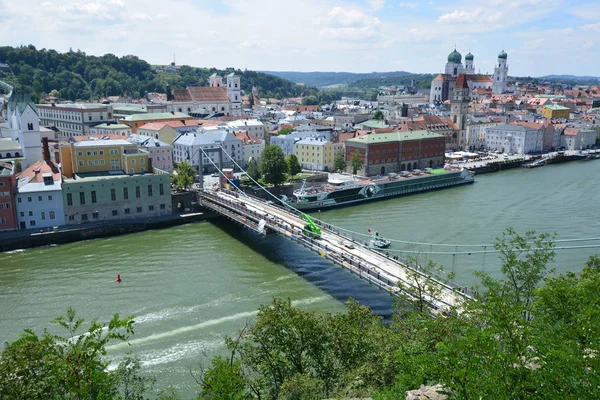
(310, 101)
(355, 162)
(339, 161)
(378, 115)
(286, 131)
(184, 177)
(253, 169)
(224, 380)
(294, 354)
(272, 165)
(71, 366)
(74, 74)
(293, 165)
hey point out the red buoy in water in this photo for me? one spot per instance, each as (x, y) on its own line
(118, 278)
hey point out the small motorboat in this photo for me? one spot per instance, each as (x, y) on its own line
(378, 241)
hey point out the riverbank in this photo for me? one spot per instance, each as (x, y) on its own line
(15, 240)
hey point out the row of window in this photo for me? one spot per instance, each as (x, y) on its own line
(127, 211)
(30, 199)
(51, 215)
(5, 205)
(113, 194)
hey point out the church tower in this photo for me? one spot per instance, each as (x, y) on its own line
(234, 93)
(24, 126)
(215, 80)
(500, 74)
(469, 68)
(454, 65)
(459, 110)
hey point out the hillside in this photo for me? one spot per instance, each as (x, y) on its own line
(74, 75)
(321, 79)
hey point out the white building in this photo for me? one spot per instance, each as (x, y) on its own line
(253, 126)
(39, 197)
(286, 142)
(476, 134)
(500, 74)
(515, 139)
(219, 97)
(187, 147)
(24, 127)
(74, 119)
(578, 139)
(159, 152)
(111, 129)
(252, 146)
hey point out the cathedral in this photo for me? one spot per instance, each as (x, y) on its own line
(443, 84)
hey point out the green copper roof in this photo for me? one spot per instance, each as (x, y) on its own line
(454, 57)
(503, 55)
(19, 100)
(469, 57)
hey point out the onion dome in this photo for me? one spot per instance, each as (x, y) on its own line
(503, 55)
(469, 57)
(454, 57)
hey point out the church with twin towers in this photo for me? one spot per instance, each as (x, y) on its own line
(443, 84)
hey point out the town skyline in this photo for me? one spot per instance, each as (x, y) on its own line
(541, 38)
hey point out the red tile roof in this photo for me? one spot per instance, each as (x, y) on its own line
(36, 171)
(245, 137)
(155, 126)
(461, 82)
(479, 78)
(201, 94)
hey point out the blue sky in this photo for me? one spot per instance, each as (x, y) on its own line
(540, 36)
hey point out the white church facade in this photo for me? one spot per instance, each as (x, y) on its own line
(222, 96)
(24, 130)
(443, 84)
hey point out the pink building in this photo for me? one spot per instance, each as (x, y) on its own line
(159, 152)
(8, 183)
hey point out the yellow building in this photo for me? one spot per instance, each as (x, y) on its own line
(555, 111)
(102, 156)
(315, 154)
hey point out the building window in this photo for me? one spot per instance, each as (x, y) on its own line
(138, 193)
(84, 217)
(2, 220)
(71, 218)
(150, 208)
(31, 213)
(49, 197)
(115, 213)
(95, 215)
(32, 223)
(43, 213)
(52, 215)
(8, 205)
(127, 211)
(81, 197)
(162, 207)
(39, 198)
(161, 189)
(80, 153)
(113, 194)
(69, 199)
(18, 200)
(93, 197)
(125, 193)
(138, 209)
(29, 199)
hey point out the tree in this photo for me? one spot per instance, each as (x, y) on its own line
(356, 162)
(285, 131)
(71, 366)
(378, 115)
(294, 167)
(184, 176)
(224, 380)
(272, 165)
(310, 101)
(339, 161)
(253, 169)
(251, 100)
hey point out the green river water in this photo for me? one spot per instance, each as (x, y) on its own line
(189, 286)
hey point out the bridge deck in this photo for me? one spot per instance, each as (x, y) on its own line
(390, 274)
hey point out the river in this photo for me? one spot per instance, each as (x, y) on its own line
(188, 286)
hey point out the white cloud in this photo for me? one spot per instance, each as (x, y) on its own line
(349, 24)
(376, 4)
(408, 5)
(592, 27)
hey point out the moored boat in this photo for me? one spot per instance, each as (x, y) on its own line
(345, 190)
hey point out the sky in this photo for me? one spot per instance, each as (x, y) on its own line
(540, 36)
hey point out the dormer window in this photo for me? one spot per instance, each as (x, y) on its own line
(30, 126)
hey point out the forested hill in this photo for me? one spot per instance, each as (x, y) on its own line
(321, 79)
(74, 74)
